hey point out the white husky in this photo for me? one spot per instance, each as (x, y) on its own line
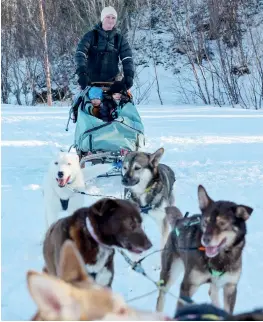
(64, 174)
(64, 171)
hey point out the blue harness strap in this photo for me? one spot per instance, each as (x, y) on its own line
(146, 209)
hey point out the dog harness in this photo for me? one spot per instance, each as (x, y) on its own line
(188, 224)
(212, 271)
(64, 204)
(145, 209)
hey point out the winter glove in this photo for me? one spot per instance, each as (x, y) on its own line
(113, 114)
(83, 80)
(128, 81)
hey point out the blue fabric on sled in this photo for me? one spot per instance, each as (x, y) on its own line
(92, 134)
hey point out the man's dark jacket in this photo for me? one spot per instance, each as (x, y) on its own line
(98, 55)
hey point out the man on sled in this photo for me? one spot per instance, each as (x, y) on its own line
(98, 53)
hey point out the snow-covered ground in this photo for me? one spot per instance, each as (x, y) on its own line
(220, 148)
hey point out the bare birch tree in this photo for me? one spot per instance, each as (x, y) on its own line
(46, 59)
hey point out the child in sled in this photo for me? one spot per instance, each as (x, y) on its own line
(114, 101)
(95, 95)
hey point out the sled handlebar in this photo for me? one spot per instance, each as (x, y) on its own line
(102, 83)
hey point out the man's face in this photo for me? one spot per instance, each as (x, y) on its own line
(109, 22)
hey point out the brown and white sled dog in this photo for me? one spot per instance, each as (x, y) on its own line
(209, 247)
(64, 171)
(97, 230)
(151, 185)
(73, 295)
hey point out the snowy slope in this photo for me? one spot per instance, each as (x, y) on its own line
(220, 148)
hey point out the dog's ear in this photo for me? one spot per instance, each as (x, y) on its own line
(173, 214)
(71, 265)
(53, 297)
(156, 157)
(104, 206)
(73, 155)
(243, 212)
(203, 198)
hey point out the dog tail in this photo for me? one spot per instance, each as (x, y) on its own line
(173, 214)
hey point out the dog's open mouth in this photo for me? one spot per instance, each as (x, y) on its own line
(212, 251)
(62, 181)
(136, 250)
(133, 249)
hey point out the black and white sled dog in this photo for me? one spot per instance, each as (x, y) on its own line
(150, 185)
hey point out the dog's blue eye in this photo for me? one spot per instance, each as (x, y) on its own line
(137, 168)
(56, 163)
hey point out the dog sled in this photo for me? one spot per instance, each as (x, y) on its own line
(97, 141)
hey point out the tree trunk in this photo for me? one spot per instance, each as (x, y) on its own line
(46, 60)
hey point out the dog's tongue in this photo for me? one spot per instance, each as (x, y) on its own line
(211, 251)
(62, 182)
(136, 251)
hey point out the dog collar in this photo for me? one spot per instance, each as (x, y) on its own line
(148, 189)
(212, 271)
(93, 233)
(129, 194)
(146, 209)
(215, 273)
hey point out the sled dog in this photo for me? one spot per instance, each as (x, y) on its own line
(97, 230)
(208, 246)
(150, 185)
(63, 172)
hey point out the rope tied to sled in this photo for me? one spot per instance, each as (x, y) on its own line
(89, 194)
(137, 267)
